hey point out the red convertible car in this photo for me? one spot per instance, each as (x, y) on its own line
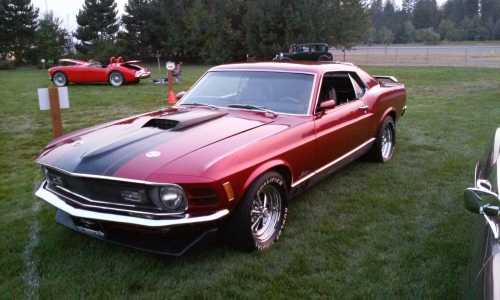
(116, 73)
(228, 156)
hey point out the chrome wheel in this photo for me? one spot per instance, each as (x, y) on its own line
(59, 79)
(116, 79)
(266, 212)
(387, 142)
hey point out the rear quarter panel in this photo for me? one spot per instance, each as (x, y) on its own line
(384, 101)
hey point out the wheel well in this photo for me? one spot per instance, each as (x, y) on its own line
(393, 115)
(58, 71)
(285, 172)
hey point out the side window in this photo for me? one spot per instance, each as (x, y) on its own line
(338, 86)
(359, 90)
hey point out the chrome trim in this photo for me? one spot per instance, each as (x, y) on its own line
(110, 177)
(82, 213)
(330, 164)
(137, 212)
(88, 199)
(311, 97)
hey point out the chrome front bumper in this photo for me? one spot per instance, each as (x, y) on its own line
(59, 203)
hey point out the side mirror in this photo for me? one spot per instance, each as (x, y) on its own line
(328, 104)
(179, 95)
(481, 201)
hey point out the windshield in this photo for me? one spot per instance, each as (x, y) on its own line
(280, 92)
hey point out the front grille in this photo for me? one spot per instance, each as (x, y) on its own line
(102, 192)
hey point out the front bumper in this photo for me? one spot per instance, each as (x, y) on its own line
(154, 236)
(59, 203)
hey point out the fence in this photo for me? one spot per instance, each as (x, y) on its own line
(459, 55)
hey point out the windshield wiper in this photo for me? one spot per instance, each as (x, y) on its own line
(200, 104)
(253, 107)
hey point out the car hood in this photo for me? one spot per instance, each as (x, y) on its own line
(154, 140)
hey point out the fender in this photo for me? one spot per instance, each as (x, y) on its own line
(261, 169)
(386, 113)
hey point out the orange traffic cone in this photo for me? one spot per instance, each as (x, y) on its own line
(171, 99)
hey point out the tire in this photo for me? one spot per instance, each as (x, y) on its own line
(59, 79)
(325, 57)
(116, 78)
(253, 227)
(383, 149)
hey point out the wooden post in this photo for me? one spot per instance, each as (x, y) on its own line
(158, 60)
(55, 111)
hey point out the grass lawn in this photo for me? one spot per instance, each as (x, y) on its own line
(397, 230)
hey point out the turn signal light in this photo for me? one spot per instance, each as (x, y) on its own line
(229, 191)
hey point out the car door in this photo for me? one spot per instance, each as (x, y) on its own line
(93, 73)
(341, 130)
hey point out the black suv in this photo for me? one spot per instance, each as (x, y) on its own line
(307, 52)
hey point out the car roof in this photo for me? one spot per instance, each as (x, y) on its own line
(297, 67)
(310, 44)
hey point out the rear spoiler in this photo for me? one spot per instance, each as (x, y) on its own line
(386, 80)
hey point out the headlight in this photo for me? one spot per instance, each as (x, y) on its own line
(173, 199)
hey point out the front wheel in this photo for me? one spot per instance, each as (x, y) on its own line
(116, 78)
(383, 149)
(261, 216)
(59, 79)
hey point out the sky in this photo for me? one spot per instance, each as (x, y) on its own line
(66, 10)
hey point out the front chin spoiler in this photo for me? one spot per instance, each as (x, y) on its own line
(155, 242)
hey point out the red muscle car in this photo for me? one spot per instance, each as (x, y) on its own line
(116, 73)
(229, 156)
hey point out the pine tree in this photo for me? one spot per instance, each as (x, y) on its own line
(51, 39)
(349, 21)
(3, 37)
(97, 27)
(19, 22)
(407, 7)
(137, 21)
(471, 8)
(376, 13)
(426, 14)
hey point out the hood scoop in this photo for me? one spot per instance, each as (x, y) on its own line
(177, 122)
(160, 123)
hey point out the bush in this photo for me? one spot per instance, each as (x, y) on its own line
(6, 65)
(427, 36)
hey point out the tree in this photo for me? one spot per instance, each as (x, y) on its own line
(471, 8)
(426, 14)
(407, 8)
(454, 10)
(97, 28)
(349, 22)
(18, 25)
(474, 29)
(376, 12)
(496, 30)
(448, 30)
(408, 32)
(427, 36)
(384, 36)
(136, 38)
(51, 40)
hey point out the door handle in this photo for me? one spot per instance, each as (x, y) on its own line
(364, 107)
